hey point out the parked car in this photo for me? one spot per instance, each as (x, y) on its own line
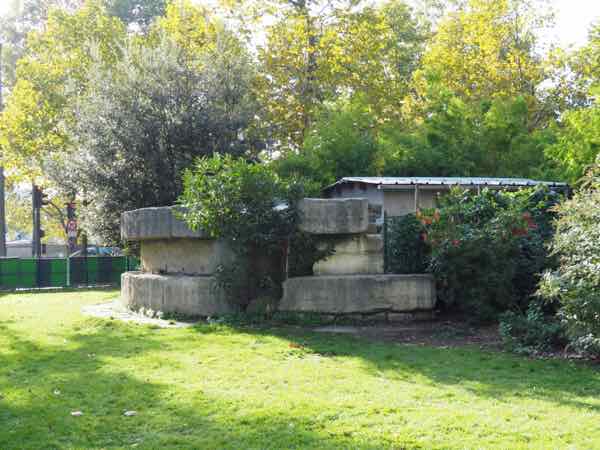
(95, 250)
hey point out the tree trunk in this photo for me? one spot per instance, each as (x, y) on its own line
(2, 215)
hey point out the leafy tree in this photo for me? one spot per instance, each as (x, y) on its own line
(340, 143)
(316, 52)
(146, 118)
(18, 217)
(140, 13)
(253, 210)
(484, 50)
(576, 282)
(578, 131)
(189, 25)
(50, 76)
(457, 138)
(23, 17)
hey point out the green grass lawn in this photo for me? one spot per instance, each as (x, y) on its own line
(219, 387)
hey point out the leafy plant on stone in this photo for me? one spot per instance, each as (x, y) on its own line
(252, 209)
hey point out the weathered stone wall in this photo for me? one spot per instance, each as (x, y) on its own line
(184, 256)
(352, 280)
(334, 216)
(156, 223)
(356, 254)
(348, 294)
(180, 294)
(177, 264)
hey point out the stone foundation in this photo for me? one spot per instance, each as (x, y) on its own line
(364, 294)
(184, 256)
(179, 294)
(357, 254)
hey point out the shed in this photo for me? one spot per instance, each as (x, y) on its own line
(397, 196)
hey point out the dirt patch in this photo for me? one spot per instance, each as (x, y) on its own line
(449, 332)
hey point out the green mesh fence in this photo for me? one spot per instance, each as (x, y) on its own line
(29, 273)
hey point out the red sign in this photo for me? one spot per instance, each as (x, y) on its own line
(72, 228)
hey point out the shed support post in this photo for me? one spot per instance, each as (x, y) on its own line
(416, 197)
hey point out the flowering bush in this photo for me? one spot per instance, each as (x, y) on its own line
(575, 284)
(487, 249)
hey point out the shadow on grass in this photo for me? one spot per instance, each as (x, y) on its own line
(484, 373)
(41, 384)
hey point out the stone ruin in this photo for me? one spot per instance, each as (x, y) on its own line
(178, 267)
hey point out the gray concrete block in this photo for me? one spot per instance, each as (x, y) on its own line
(361, 254)
(156, 223)
(184, 256)
(334, 216)
(347, 294)
(146, 223)
(178, 294)
(180, 229)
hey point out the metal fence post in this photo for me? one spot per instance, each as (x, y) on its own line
(385, 243)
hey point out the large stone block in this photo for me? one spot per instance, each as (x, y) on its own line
(334, 216)
(179, 294)
(347, 294)
(156, 223)
(362, 254)
(184, 256)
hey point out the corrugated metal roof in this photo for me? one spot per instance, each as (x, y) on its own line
(450, 181)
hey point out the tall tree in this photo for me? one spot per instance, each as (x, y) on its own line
(317, 51)
(147, 117)
(578, 131)
(50, 76)
(487, 49)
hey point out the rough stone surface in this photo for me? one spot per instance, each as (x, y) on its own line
(361, 254)
(334, 216)
(156, 223)
(347, 294)
(184, 256)
(116, 311)
(179, 294)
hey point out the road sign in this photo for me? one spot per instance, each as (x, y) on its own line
(72, 228)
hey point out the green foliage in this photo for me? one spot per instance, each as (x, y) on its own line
(531, 333)
(317, 51)
(577, 144)
(221, 385)
(406, 250)
(341, 143)
(457, 138)
(253, 210)
(245, 203)
(487, 249)
(575, 284)
(145, 119)
(304, 251)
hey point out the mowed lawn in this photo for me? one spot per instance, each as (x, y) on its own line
(219, 387)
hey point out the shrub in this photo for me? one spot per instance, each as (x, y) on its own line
(575, 284)
(251, 208)
(532, 332)
(487, 249)
(406, 250)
